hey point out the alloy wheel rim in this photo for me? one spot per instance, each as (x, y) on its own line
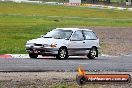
(93, 53)
(62, 53)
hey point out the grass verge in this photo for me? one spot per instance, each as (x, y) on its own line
(21, 22)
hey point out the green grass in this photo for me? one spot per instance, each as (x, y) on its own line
(21, 22)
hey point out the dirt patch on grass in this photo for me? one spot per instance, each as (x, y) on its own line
(115, 40)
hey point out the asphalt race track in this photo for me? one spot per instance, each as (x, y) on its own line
(103, 63)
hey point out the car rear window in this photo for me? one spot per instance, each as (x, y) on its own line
(89, 35)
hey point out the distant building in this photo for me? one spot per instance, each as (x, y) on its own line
(74, 1)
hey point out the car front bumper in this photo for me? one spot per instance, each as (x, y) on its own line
(42, 50)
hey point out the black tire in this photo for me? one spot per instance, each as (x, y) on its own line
(93, 53)
(32, 55)
(81, 80)
(62, 53)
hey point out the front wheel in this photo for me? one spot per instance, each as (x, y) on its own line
(32, 55)
(92, 53)
(62, 53)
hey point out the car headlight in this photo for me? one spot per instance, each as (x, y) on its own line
(53, 45)
(29, 43)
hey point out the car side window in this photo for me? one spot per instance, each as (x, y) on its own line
(77, 36)
(89, 35)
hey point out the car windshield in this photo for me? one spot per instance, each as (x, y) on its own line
(59, 34)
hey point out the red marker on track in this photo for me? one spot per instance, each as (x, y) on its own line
(5, 56)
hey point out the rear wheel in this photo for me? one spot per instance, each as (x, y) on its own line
(32, 55)
(92, 53)
(62, 53)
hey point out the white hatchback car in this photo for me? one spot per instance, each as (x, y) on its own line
(65, 42)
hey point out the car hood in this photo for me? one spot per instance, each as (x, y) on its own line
(46, 41)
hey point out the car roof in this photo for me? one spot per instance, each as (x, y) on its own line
(73, 29)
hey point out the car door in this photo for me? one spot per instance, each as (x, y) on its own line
(76, 45)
